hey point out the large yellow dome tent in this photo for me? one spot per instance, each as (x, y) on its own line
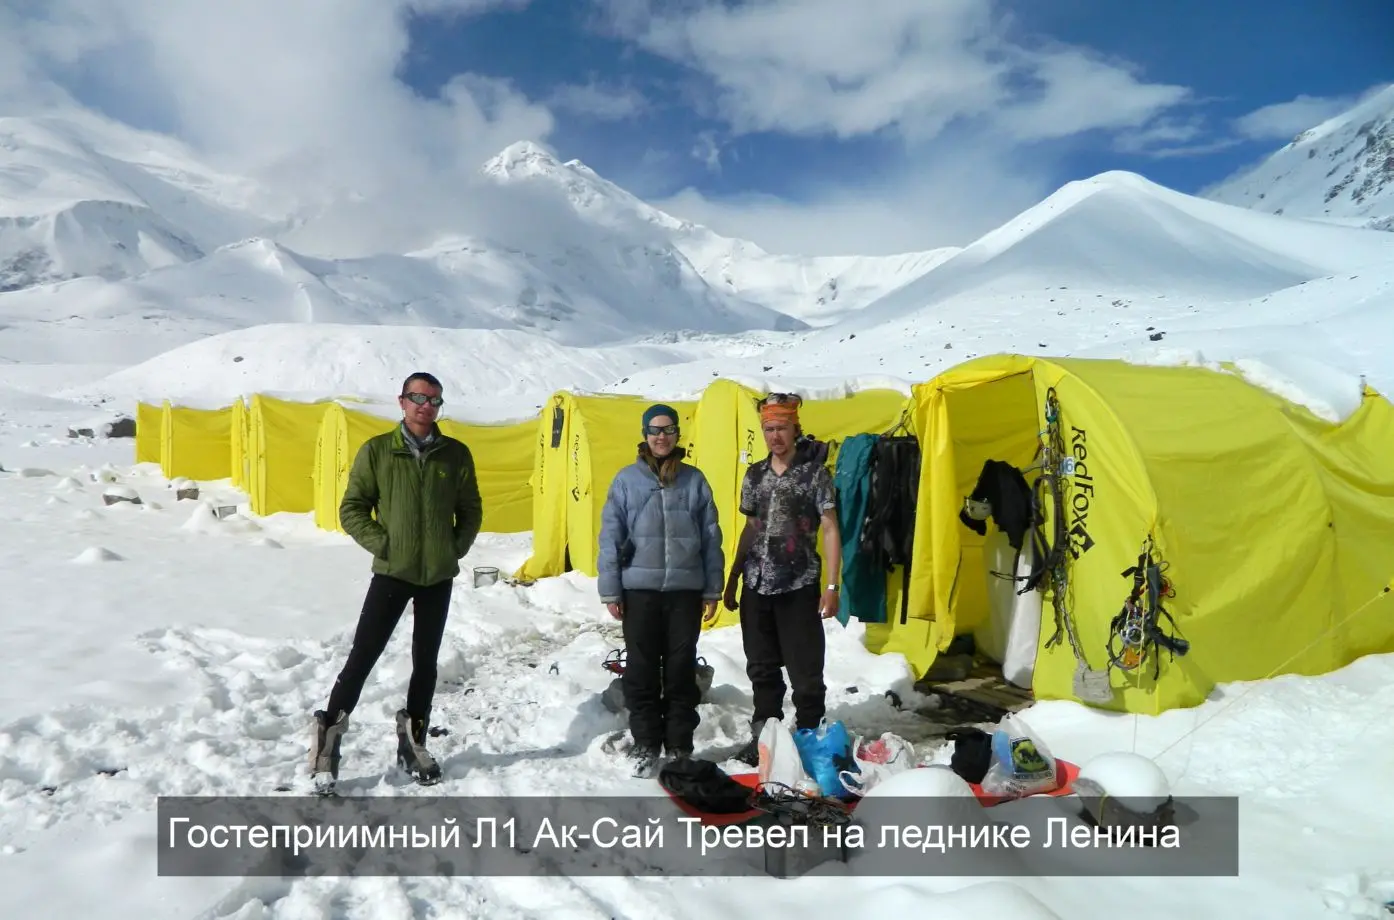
(1274, 525)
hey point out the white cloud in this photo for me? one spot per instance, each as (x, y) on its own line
(1285, 120)
(598, 101)
(301, 93)
(830, 67)
(972, 109)
(945, 199)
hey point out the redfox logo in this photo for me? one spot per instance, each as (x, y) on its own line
(1082, 495)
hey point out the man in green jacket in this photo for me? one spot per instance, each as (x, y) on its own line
(413, 502)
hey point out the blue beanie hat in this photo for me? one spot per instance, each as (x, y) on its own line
(654, 411)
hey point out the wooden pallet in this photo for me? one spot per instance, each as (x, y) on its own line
(983, 688)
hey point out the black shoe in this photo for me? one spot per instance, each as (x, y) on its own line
(412, 755)
(680, 752)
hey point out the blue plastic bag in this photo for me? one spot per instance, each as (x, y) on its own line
(826, 751)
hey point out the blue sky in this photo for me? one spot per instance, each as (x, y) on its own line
(1237, 56)
(813, 126)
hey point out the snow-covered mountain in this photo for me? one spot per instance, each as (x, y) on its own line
(81, 196)
(1341, 170)
(1103, 265)
(116, 249)
(816, 289)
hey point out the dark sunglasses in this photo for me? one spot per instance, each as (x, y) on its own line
(782, 399)
(656, 430)
(422, 399)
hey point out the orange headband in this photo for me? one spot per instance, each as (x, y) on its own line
(781, 412)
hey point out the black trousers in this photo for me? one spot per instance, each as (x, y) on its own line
(382, 607)
(661, 629)
(784, 631)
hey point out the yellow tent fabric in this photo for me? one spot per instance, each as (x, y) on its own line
(237, 444)
(502, 456)
(281, 441)
(195, 443)
(503, 460)
(727, 440)
(342, 432)
(150, 421)
(596, 436)
(1272, 523)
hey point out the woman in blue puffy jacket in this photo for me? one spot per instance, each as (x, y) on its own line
(661, 569)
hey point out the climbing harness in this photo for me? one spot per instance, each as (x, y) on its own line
(1135, 630)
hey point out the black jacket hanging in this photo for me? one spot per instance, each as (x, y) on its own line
(1004, 488)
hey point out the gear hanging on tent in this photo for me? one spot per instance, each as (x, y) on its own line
(1051, 555)
(1135, 631)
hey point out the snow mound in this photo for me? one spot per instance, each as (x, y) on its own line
(96, 554)
(1119, 233)
(1136, 781)
(487, 374)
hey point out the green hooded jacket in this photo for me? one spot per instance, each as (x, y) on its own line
(418, 517)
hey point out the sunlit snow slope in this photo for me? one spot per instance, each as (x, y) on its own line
(1341, 170)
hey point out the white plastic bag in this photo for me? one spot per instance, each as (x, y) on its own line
(1021, 764)
(780, 761)
(877, 761)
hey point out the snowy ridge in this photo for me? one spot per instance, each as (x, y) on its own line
(489, 375)
(816, 289)
(1341, 170)
(1100, 268)
(585, 295)
(82, 196)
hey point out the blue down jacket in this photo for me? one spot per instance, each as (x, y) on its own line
(659, 538)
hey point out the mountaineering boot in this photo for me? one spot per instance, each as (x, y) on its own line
(643, 760)
(750, 754)
(412, 755)
(324, 750)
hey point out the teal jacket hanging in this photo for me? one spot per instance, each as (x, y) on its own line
(863, 584)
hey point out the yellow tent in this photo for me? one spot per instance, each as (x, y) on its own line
(727, 440)
(281, 441)
(502, 457)
(194, 443)
(341, 433)
(1272, 524)
(237, 444)
(582, 442)
(150, 423)
(503, 460)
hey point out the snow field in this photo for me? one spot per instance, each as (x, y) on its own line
(190, 666)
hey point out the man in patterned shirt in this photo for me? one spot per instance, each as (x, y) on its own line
(785, 498)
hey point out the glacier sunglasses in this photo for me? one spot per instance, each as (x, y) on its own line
(656, 430)
(422, 399)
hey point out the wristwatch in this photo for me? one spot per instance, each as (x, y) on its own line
(832, 587)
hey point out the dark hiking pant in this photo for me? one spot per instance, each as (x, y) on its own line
(661, 629)
(382, 607)
(784, 631)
